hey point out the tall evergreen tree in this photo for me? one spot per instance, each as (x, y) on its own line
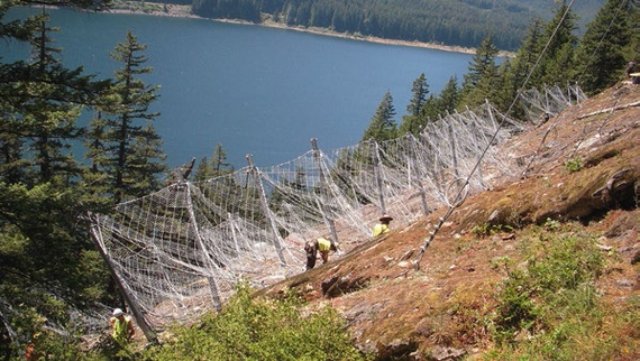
(40, 198)
(147, 160)
(600, 55)
(419, 90)
(50, 123)
(481, 82)
(557, 62)
(449, 96)
(135, 157)
(412, 122)
(382, 125)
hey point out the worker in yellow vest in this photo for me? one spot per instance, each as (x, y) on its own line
(383, 226)
(321, 244)
(121, 327)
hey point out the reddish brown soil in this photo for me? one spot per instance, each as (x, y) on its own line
(395, 310)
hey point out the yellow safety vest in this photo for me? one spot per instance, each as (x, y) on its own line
(324, 245)
(121, 329)
(379, 229)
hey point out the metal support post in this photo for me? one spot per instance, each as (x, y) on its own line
(96, 235)
(277, 241)
(323, 185)
(414, 179)
(376, 171)
(213, 283)
(452, 142)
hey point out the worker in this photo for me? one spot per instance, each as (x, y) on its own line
(121, 327)
(383, 226)
(30, 353)
(321, 244)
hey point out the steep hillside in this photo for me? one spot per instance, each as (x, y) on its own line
(581, 193)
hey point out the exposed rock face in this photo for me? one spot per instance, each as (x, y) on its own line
(437, 313)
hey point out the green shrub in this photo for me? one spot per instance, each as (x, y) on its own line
(574, 164)
(550, 310)
(259, 329)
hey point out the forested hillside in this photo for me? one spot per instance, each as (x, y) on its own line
(462, 22)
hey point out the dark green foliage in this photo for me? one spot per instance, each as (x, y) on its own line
(382, 125)
(464, 22)
(551, 310)
(214, 167)
(558, 280)
(556, 65)
(123, 145)
(48, 264)
(261, 330)
(411, 123)
(481, 82)
(600, 55)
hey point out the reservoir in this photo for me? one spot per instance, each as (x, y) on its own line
(252, 89)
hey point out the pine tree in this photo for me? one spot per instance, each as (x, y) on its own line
(526, 57)
(449, 96)
(600, 55)
(382, 125)
(41, 199)
(146, 161)
(135, 158)
(556, 64)
(420, 90)
(411, 122)
(203, 171)
(49, 123)
(216, 166)
(481, 82)
(219, 164)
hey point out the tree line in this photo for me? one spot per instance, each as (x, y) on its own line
(595, 62)
(464, 23)
(47, 261)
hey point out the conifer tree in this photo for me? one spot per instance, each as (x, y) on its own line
(203, 171)
(134, 154)
(382, 125)
(481, 82)
(420, 90)
(411, 122)
(449, 95)
(42, 238)
(147, 161)
(49, 123)
(216, 166)
(526, 57)
(600, 55)
(556, 66)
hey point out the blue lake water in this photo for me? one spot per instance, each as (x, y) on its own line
(253, 89)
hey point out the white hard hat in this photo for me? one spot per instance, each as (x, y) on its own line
(117, 312)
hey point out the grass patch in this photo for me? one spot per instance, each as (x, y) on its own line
(574, 164)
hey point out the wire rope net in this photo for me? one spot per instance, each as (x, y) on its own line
(180, 251)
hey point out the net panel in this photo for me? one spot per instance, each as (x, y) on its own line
(180, 251)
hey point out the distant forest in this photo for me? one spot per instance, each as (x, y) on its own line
(462, 22)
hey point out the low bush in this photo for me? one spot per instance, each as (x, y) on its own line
(549, 309)
(259, 329)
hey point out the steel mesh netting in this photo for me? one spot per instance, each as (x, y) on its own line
(180, 251)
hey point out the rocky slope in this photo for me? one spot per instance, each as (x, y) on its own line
(585, 172)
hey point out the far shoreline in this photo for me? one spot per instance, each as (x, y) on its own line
(184, 11)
